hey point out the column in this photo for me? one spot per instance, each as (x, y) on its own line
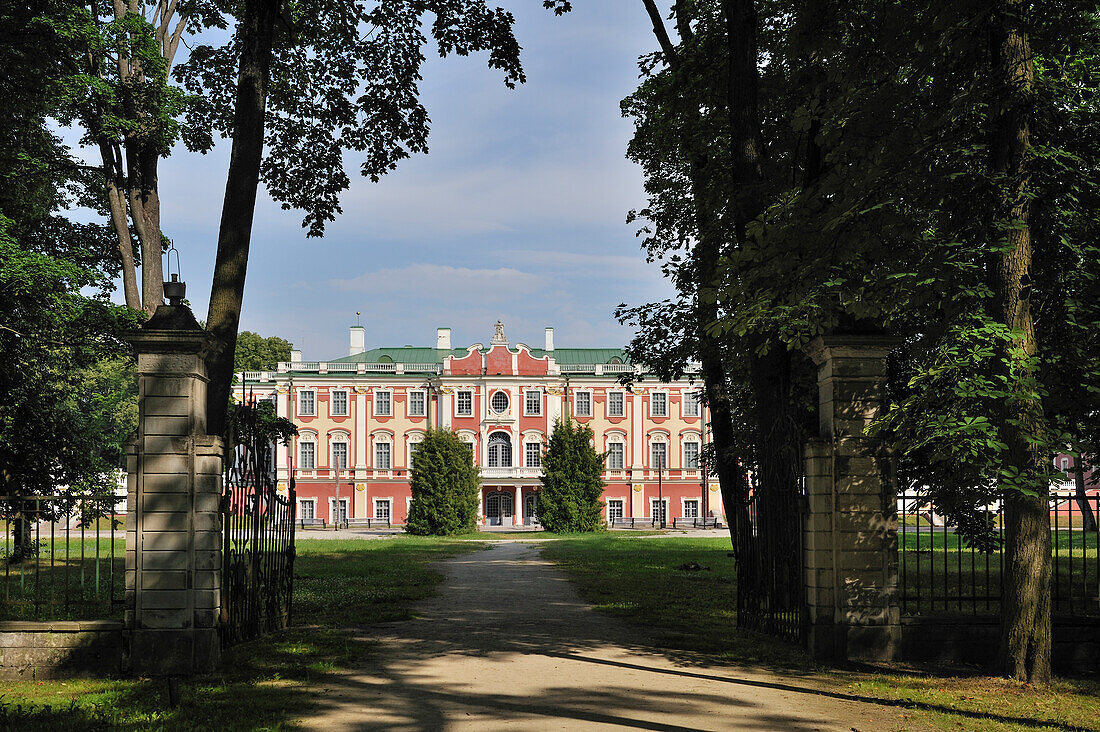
(517, 515)
(173, 523)
(850, 528)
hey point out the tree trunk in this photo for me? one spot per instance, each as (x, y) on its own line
(235, 233)
(152, 245)
(116, 205)
(1088, 518)
(1026, 604)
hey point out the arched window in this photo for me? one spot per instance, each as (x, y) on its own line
(500, 450)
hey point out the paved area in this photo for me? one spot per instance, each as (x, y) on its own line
(507, 644)
(514, 534)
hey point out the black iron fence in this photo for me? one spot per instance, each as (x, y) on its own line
(940, 572)
(63, 557)
(768, 551)
(258, 534)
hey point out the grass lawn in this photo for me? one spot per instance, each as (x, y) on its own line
(265, 683)
(692, 611)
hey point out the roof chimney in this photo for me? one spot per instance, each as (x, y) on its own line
(443, 338)
(295, 356)
(358, 340)
(549, 340)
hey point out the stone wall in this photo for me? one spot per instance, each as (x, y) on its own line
(61, 649)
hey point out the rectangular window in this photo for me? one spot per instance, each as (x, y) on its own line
(691, 455)
(307, 509)
(616, 404)
(657, 509)
(584, 403)
(533, 454)
(382, 456)
(690, 403)
(340, 510)
(614, 509)
(615, 458)
(658, 404)
(307, 456)
(691, 508)
(339, 403)
(412, 451)
(340, 455)
(382, 509)
(464, 405)
(417, 401)
(533, 403)
(1065, 463)
(382, 403)
(658, 455)
(307, 402)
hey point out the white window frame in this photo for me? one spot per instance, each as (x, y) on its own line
(312, 506)
(622, 403)
(332, 454)
(653, 457)
(301, 460)
(389, 509)
(622, 508)
(527, 445)
(469, 412)
(698, 454)
(689, 396)
(664, 401)
(684, 504)
(332, 402)
(507, 401)
(663, 502)
(527, 411)
(622, 455)
(500, 459)
(313, 403)
(577, 402)
(1064, 463)
(389, 454)
(389, 403)
(423, 403)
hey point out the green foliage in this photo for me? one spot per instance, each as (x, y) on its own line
(572, 481)
(256, 353)
(445, 486)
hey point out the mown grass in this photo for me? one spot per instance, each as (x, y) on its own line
(692, 611)
(266, 683)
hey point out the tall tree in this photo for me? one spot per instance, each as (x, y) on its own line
(256, 353)
(572, 481)
(445, 485)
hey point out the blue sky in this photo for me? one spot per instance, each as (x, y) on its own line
(518, 212)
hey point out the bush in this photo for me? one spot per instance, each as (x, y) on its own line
(572, 483)
(445, 486)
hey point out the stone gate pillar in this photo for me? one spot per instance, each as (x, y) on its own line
(173, 522)
(850, 529)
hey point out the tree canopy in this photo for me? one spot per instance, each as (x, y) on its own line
(572, 481)
(256, 353)
(445, 485)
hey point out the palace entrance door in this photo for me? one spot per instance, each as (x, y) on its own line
(498, 509)
(530, 511)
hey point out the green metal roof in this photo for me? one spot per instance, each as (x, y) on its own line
(416, 354)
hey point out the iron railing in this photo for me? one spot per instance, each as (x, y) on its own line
(939, 571)
(768, 552)
(258, 534)
(63, 557)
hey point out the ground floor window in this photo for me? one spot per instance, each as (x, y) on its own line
(691, 508)
(307, 509)
(657, 509)
(614, 509)
(382, 509)
(339, 510)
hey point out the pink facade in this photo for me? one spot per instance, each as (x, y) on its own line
(360, 416)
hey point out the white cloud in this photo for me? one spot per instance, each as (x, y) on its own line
(443, 282)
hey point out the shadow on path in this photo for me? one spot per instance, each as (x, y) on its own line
(508, 644)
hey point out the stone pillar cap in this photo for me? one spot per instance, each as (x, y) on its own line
(867, 345)
(172, 329)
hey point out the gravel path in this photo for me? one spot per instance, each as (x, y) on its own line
(507, 644)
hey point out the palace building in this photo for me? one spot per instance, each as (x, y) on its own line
(361, 416)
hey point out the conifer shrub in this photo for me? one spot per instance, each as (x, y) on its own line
(572, 483)
(445, 485)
